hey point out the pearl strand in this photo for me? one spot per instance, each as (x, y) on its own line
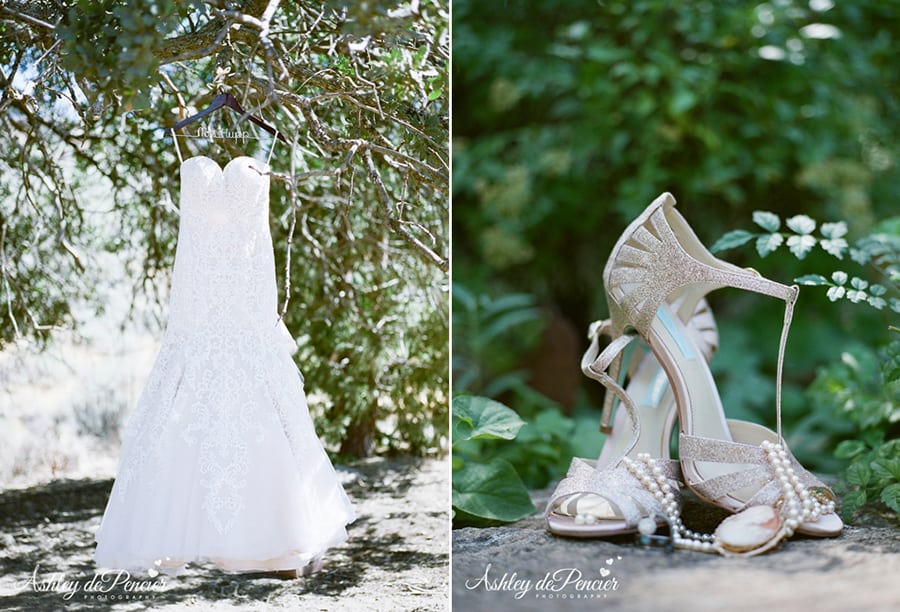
(798, 504)
(651, 477)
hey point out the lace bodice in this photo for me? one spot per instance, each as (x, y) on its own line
(224, 266)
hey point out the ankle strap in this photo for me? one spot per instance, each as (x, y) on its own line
(594, 365)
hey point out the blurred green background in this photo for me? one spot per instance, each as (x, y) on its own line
(569, 117)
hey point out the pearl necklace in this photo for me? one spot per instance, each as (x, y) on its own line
(796, 506)
(651, 478)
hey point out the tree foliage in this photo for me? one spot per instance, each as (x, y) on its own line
(359, 200)
(570, 117)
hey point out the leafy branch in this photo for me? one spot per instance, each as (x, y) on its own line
(880, 250)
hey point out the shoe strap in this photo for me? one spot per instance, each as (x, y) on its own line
(594, 365)
(782, 344)
(758, 472)
(616, 485)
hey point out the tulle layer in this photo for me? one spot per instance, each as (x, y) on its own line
(221, 463)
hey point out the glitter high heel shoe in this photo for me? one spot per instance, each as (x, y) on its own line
(747, 470)
(602, 498)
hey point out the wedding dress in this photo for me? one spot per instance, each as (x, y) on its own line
(220, 460)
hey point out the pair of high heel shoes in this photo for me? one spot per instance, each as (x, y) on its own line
(656, 279)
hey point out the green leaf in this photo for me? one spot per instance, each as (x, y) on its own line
(435, 94)
(731, 240)
(487, 418)
(891, 496)
(465, 297)
(859, 474)
(769, 221)
(812, 280)
(801, 224)
(856, 296)
(836, 293)
(511, 301)
(801, 245)
(835, 247)
(491, 491)
(510, 320)
(839, 277)
(767, 243)
(860, 256)
(834, 230)
(852, 501)
(849, 448)
(682, 101)
(889, 469)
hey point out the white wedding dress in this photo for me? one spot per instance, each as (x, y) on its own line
(220, 460)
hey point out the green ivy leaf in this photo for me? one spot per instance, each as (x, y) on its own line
(731, 240)
(767, 220)
(485, 418)
(491, 491)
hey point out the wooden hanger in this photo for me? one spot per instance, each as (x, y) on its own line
(226, 99)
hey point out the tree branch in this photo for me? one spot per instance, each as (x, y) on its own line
(396, 224)
(206, 40)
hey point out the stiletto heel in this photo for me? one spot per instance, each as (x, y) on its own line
(740, 467)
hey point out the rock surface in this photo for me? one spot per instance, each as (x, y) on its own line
(396, 557)
(860, 570)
